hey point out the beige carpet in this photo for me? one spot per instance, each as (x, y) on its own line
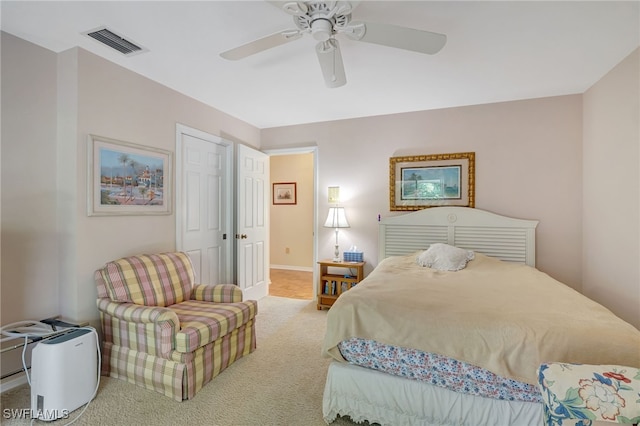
(281, 383)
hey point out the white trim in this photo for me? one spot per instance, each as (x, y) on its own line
(293, 268)
(13, 381)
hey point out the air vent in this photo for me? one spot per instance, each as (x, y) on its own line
(115, 41)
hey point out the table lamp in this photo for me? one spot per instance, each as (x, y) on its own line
(336, 219)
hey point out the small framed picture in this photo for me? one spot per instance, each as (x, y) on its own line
(284, 193)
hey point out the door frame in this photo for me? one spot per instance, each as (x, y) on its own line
(229, 210)
(311, 149)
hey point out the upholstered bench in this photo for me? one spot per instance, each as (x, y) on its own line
(166, 333)
(605, 393)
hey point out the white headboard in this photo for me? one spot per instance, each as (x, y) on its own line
(506, 238)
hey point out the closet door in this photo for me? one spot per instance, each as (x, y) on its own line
(203, 207)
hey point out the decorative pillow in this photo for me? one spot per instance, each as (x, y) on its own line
(605, 393)
(444, 257)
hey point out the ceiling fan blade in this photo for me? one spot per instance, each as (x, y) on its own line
(331, 63)
(261, 44)
(291, 7)
(394, 36)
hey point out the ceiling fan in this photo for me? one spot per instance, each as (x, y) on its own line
(324, 20)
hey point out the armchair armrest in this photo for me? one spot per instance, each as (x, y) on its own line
(219, 293)
(149, 329)
(131, 312)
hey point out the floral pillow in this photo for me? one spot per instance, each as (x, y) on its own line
(608, 393)
(444, 257)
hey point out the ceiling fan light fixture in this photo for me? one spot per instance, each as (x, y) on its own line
(321, 29)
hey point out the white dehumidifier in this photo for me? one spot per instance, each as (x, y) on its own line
(64, 374)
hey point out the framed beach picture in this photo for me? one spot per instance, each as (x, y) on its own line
(127, 179)
(284, 193)
(421, 181)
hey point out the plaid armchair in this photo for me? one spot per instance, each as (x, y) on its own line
(165, 333)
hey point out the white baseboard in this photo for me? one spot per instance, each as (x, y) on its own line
(12, 382)
(293, 268)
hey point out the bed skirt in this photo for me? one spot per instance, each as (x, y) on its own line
(365, 394)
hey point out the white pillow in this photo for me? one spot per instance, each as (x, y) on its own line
(444, 257)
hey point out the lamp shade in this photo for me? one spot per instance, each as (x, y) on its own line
(336, 218)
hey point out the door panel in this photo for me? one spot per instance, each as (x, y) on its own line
(252, 231)
(202, 217)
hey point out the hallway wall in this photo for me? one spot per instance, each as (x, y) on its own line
(291, 231)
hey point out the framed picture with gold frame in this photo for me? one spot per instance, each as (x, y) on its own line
(420, 181)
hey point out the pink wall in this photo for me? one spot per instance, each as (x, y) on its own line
(528, 165)
(611, 180)
(51, 246)
(29, 239)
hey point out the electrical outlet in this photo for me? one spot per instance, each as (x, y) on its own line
(286, 250)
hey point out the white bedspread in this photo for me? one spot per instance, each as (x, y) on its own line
(506, 318)
(364, 394)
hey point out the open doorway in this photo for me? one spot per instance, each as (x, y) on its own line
(292, 221)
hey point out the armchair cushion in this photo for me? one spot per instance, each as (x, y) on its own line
(150, 279)
(203, 322)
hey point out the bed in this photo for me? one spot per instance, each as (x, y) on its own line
(415, 345)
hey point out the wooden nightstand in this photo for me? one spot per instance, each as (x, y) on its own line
(332, 285)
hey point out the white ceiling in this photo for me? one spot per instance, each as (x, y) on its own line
(495, 51)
